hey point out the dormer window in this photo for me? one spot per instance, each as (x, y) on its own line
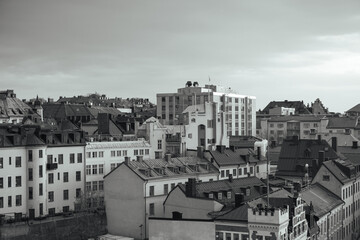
(248, 191)
(219, 195)
(211, 195)
(229, 195)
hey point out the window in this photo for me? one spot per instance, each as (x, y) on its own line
(113, 153)
(18, 181)
(18, 200)
(257, 169)
(101, 154)
(124, 153)
(61, 159)
(326, 178)
(94, 186)
(9, 160)
(1, 182)
(136, 152)
(251, 170)
(30, 193)
(222, 173)
(66, 177)
(112, 166)
(40, 171)
(166, 188)
(88, 169)
(72, 157)
(51, 211)
(78, 192)
(101, 168)
(219, 195)
(211, 195)
(50, 159)
(66, 194)
(152, 209)
(101, 185)
(51, 178)
(41, 209)
(228, 195)
(152, 190)
(209, 123)
(245, 171)
(227, 173)
(141, 151)
(172, 186)
(234, 172)
(219, 235)
(88, 154)
(79, 157)
(40, 153)
(9, 201)
(51, 196)
(78, 176)
(40, 189)
(146, 151)
(18, 162)
(94, 169)
(9, 182)
(30, 170)
(94, 154)
(1, 162)
(30, 155)
(159, 144)
(88, 187)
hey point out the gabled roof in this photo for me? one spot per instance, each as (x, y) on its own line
(117, 144)
(342, 122)
(95, 110)
(337, 168)
(356, 108)
(343, 139)
(235, 157)
(299, 106)
(151, 120)
(11, 106)
(61, 111)
(295, 153)
(322, 199)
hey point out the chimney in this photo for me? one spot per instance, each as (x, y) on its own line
(139, 158)
(355, 144)
(200, 152)
(334, 143)
(127, 160)
(220, 148)
(319, 139)
(239, 199)
(230, 178)
(321, 157)
(167, 157)
(232, 148)
(295, 139)
(190, 187)
(259, 153)
(312, 218)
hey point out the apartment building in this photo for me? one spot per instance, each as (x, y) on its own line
(41, 170)
(136, 190)
(239, 109)
(12, 109)
(103, 157)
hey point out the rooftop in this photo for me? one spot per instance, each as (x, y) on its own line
(235, 156)
(118, 144)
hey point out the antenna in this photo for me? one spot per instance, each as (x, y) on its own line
(209, 90)
(267, 171)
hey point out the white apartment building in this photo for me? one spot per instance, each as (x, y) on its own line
(41, 173)
(103, 157)
(240, 110)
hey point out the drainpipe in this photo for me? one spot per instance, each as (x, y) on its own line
(353, 208)
(145, 211)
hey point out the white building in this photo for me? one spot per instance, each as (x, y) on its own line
(240, 110)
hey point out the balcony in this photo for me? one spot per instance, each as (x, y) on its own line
(51, 166)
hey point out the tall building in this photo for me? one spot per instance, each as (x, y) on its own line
(239, 109)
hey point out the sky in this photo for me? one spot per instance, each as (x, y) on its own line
(274, 50)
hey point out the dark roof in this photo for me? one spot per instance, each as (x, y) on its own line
(299, 106)
(306, 118)
(340, 169)
(10, 106)
(235, 157)
(237, 214)
(62, 111)
(342, 122)
(243, 141)
(356, 108)
(297, 153)
(322, 199)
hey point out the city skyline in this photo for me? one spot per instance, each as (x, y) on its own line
(274, 51)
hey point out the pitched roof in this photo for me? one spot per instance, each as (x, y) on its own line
(335, 167)
(296, 153)
(195, 108)
(356, 108)
(343, 139)
(306, 118)
(11, 106)
(299, 106)
(235, 157)
(118, 144)
(322, 199)
(342, 122)
(61, 111)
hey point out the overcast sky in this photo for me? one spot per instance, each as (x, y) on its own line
(274, 50)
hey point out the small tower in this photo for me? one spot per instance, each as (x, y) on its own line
(38, 108)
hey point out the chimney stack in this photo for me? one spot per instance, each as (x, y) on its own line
(259, 153)
(319, 139)
(239, 199)
(139, 158)
(190, 187)
(334, 143)
(220, 148)
(167, 157)
(127, 160)
(230, 177)
(355, 144)
(321, 157)
(200, 152)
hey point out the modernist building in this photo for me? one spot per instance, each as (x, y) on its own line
(41, 170)
(239, 109)
(136, 190)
